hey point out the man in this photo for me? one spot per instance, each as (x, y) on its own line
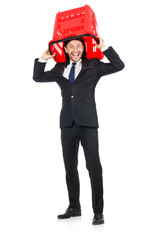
(77, 78)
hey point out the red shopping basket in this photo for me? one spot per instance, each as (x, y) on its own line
(78, 22)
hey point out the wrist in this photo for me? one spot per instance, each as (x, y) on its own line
(103, 48)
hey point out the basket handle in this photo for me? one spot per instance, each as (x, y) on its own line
(72, 38)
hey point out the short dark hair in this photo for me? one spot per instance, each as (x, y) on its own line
(78, 39)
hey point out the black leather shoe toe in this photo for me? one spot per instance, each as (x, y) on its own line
(98, 219)
(70, 212)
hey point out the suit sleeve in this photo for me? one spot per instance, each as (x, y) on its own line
(115, 63)
(39, 75)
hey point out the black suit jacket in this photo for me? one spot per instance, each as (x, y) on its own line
(78, 101)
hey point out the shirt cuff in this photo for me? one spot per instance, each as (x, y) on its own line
(42, 60)
(104, 48)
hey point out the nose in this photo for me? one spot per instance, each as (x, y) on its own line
(75, 49)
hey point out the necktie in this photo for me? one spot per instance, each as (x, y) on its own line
(72, 73)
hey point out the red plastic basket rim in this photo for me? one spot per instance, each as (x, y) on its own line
(72, 38)
(86, 6)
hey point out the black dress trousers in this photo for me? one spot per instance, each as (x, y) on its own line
(88, 136)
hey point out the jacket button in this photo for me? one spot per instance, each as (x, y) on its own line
(72, 96)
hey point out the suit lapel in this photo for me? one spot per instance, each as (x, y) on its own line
(84, 68)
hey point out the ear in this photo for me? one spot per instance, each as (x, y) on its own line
(65, 49)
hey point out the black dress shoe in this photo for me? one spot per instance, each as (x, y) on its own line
(98, 219)
(70, 212)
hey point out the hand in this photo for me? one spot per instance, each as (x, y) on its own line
(101, 43)
(46, 55)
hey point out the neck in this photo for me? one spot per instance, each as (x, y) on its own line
(71, 61)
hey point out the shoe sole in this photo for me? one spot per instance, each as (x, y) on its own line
(76, 215)
(98, 223)
(73, 215)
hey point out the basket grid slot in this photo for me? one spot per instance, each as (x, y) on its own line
(70, 17)
(70, 30)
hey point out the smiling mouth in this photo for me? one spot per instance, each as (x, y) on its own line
(76, 55)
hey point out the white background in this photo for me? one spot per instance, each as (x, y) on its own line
(32, 177)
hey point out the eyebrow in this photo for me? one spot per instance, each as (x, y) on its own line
(73, 45)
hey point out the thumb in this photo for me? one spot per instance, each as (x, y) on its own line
(54, 54)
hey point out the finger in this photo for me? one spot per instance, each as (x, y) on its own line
(52, 55)
(47, 51)
(101, 39)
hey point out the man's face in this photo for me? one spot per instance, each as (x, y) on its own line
(74, 49)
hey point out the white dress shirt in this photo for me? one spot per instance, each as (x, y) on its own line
(78, 66)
